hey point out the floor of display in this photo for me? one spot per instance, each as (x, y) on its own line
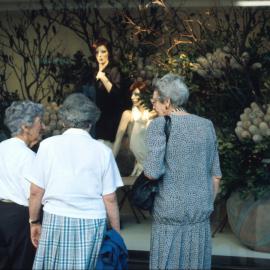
(225, 245)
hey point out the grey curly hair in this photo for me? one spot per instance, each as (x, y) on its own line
(172, 86)
(21, 113)
(78, 111)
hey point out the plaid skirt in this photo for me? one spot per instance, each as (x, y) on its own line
(69, 243)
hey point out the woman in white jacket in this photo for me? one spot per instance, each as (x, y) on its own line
(75, 177)
(24, 120)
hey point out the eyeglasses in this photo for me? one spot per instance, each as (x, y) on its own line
(154, 100)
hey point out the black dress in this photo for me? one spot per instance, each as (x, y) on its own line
(110, 103)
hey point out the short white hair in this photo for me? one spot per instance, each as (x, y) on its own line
(78, 111)
(21, 113)
(172, 86)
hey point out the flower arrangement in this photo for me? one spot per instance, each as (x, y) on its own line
(254, 123)
(215, 64)
(245, 157)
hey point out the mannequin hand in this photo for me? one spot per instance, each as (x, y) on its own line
(100, 76)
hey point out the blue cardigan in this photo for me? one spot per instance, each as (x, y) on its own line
(113, 252)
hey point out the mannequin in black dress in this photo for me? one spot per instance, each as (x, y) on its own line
(109, 92)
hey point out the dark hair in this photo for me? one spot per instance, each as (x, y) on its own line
(140, 85)
(102, 41)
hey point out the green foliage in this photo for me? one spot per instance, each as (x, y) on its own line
(231, 70)
(255, 168)
(230, 156)
(68, 73)
(245, 166)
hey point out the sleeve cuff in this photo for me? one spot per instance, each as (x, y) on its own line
(34, 181)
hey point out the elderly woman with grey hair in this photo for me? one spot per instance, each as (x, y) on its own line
(24, 120)
(189, 163)
(75, 177)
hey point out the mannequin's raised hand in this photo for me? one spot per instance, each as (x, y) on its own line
(100, 75)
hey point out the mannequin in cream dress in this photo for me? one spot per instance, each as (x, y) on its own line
(135, 123)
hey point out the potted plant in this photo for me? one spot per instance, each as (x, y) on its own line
(249, 202)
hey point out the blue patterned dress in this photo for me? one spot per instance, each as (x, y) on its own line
(181, 235)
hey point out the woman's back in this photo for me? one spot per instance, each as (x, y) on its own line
(75, 171)
(185, 193)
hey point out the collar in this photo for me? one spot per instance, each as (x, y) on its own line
(19, 140)
(77, 131)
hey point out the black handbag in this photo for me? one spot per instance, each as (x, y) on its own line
(144, 190)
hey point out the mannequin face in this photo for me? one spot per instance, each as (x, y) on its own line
(135, 97)
(102, 55)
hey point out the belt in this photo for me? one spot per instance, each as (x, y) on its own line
(6, 201)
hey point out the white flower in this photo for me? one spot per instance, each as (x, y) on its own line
(253, 130)
(202, 61)
(256, 121)
(259, 113)
(252, 115)
(266, 117)
(257, 138)
(256, 66)
(245, 57)
(263, 126)
(238, 130)
(202, 73)
(244, 117)
(254, 105)
(226, 49)
(246, 124)
(247, 110)
(245, 135)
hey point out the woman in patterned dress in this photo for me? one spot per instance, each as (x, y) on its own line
(189, 163)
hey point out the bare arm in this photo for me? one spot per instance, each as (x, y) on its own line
(110, 201)
(216, 183)
(36, 194)
(125, 120)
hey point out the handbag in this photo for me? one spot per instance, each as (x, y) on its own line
(144, 190)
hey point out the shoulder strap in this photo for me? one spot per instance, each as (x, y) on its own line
(167, 127)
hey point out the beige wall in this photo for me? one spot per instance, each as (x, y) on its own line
(66, 41)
